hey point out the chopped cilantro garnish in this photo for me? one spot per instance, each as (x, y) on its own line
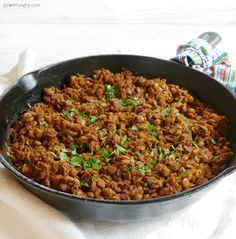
(145, 185)
(165, 112)
(105, 155)
(172, 156)
(143, 169)
(75, 161)
(130, 103)
(92, 119)
(43, 123)
(63, 156)
(134, 127)
(213, 141)
(152, 153)
(195, 144)
(52, 153)
(151, 127)
(84, 184)
(132, 160)
(157, 110)
(151, 163)
(82, 115)
(185, 173)
(124, 139)
(110, 92)
(71, 112)
(180, 101)
(73, 148)
(186, 120)
(119, 150)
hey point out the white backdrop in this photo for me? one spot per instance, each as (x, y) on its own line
(59, 30)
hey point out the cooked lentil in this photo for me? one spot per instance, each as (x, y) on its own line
(120, 137)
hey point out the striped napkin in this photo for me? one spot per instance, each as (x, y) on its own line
(200, 55)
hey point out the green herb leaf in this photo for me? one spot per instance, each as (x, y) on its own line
(165, 112)
(53, 154)
(143, 169)
(132, 160)
(71, 112)
(63, 156)
(213, 141)
(157, 110)
(120, 150)
(130, 103)
(43, 123)
(83, 115)
(172, 156)
(152, 153)
(151, 127)
(145, 185)
(186, 120)
(110, 92)
(195, 144)
(75, 161)
(185, 174)
(73, 148)
(84, 184)
(151, 163)
(134, 127)
(105, 155)
(124, 139)
(180, 101)
(92, 119)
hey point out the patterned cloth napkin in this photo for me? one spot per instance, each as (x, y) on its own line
(200, 55)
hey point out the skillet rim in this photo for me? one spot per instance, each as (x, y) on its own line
(167, 198)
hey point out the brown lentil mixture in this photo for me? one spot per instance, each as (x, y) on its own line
(120, 137)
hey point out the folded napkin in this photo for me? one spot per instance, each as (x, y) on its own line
(24, 216)
(200, 55)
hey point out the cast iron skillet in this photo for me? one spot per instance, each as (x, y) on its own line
(28, 89)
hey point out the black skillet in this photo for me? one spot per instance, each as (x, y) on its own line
(28, 89)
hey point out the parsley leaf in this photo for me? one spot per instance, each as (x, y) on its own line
(92, 119)
(120, 150)
(43, 123)
(151, 127)
(151, 163)
(130, 103)
(110, 92)
(134, 127)
(132, 160)
(124, 139)
(71, 112)
(213, 141)
(195, 144)
(180, 101)
(143, 169)
(165, 112)
(52, 153)
(73, 148)
(82, 115)
(105, 155)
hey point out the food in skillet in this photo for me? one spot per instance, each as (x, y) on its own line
(120, 137)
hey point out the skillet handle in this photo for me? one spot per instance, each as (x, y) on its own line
(212, 38)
